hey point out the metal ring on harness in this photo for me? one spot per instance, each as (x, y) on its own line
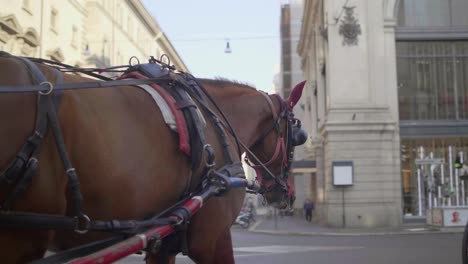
(133, 58)
(161, 58)
(82, 224)
(51, 88)
(210, 160)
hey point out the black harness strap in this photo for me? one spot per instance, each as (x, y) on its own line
(24, 165)
(68, 68)
(46, 113)
(30, 167)
(194, 123)
(81, 85)
(23, 183)
(26, 220)
(193, 88)
(194, 120)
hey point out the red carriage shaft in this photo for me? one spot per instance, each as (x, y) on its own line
(139, 242)
(125, 248)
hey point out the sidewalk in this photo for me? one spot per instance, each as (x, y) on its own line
(294, 225)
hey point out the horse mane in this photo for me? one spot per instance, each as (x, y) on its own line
(224, 82)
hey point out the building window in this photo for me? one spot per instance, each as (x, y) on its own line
(53, 19)
(108, 5)
(27, 6)
(74, 41)
(432, 72)
(158, 52)
(105, 49)
(432, 51)
(129, 27)
(433, 13)
(119, 58)
(121, 17)
(138, 35)
(433, 80)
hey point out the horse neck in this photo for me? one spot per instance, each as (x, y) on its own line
(246, 109)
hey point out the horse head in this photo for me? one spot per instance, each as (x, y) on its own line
(275, 151)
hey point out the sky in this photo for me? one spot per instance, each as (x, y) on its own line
(199, 30)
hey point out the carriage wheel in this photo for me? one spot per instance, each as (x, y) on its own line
(465, 245)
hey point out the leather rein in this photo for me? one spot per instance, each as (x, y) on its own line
(283, 147)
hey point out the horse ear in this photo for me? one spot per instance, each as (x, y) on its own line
(295, 94)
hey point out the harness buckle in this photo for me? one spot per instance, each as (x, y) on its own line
(210, 160)
(51, 88)
(154, 244)
(82, 224)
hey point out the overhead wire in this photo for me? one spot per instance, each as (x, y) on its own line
(195, 39)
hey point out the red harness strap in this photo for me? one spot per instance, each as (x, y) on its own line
(184, 139)
(280, 150)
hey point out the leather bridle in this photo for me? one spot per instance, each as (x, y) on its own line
(284, 149)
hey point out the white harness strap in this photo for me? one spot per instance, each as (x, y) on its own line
(161, 103)
(165, 110)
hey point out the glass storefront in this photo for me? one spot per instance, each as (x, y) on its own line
(411, 150)
(432, 72)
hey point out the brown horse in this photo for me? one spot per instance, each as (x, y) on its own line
(128, 161)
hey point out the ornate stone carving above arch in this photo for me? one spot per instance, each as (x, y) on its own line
(30, 37)
(28, 42)
(56, 55)
(9, 26)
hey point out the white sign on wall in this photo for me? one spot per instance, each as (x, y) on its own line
(342, 173)
(455, 216)
(447, 216)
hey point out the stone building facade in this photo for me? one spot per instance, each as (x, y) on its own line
(348, 59)
(387, 85)
(83, 32)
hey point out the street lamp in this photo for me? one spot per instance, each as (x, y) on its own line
(228, 48)
(87, 52)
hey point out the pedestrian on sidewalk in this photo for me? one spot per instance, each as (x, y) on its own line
(308, 208)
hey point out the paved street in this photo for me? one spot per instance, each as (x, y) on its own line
(383, 249)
